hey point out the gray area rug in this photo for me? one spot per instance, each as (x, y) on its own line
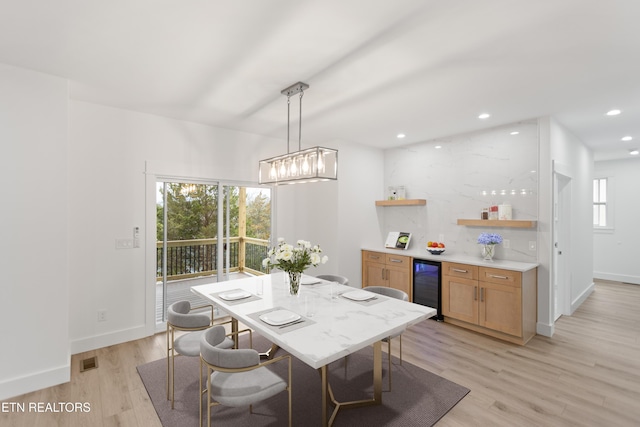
(418, 397)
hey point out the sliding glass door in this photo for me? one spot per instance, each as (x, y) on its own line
(210, 231)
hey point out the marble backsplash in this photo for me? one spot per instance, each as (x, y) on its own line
(469, 172)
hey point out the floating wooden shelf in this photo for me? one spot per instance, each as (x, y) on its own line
(404, 202)
(513, 223)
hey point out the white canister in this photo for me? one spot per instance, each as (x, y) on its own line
(504, 212)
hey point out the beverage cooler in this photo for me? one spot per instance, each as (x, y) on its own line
(427, 285)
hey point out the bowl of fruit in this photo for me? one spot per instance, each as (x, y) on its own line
(435, 248)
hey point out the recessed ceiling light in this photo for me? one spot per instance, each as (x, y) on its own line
(401, 135)
(627, 138)
(484, 116)
(515, 132)
(437, 147)
(613, 112)
(634, 152)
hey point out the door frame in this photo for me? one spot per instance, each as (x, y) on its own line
(155, 172)
(561, 246)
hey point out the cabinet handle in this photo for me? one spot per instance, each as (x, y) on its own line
(383, 270)
(457, 270)
(475, 293)
(498, 277)
(395, 260)
(374, 256)
(481, 294)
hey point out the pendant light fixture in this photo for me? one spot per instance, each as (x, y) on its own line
(308, 165)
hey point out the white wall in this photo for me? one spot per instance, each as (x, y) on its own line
(615, 251)
(470, 172)
(454, 179)
(340, 216)
(559, 146)
(33, 225)
(110, 150)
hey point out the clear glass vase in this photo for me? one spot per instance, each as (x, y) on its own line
(294, 282)
(488, 251)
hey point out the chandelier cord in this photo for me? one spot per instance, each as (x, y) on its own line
(288, 121)
(300, 123)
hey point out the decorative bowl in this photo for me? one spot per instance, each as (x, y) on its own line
(435, 251)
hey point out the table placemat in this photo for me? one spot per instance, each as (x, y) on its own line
(238, 301)
(282, 329)
(373, 301)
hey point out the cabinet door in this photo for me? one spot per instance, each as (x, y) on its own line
(460, 298)
(375, 274)
(399, 277)
(501, 308)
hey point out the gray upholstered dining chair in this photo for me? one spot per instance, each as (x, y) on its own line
(236, 377)
(334, 278)
(180, 317)
(391, 293)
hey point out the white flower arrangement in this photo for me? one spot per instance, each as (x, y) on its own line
(291, 258)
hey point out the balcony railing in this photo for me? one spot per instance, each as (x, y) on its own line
(199, 257)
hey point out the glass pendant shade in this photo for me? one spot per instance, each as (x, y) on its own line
(308, 165)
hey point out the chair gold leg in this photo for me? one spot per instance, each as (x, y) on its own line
(208, 397)
(200, 392)
(389, 356)
(167, 361)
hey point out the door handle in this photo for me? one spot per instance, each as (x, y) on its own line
(481, 294)
(475, 293)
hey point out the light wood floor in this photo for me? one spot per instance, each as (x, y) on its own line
(588, 374)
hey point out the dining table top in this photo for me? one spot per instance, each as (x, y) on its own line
(323, 323)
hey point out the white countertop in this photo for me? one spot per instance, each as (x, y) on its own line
(338, 326)
(460, 258)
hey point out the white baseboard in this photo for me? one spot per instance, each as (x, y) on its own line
(582, 297)
(117, 337)
(545, 330)
(616, 277)
(35, 381)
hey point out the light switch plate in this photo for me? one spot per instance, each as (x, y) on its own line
(124, 243)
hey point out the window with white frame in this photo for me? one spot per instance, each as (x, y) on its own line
(600, 206)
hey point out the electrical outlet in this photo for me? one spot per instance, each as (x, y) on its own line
(532, 245)
(102, 315)
(506, 243)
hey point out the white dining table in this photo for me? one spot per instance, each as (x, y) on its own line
(331, 325)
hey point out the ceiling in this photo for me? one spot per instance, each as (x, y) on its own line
(375, 68)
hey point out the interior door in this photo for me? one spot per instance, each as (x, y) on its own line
(561, 244)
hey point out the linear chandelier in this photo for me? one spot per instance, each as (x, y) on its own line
(308, 165)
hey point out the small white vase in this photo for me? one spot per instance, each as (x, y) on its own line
(488, 251)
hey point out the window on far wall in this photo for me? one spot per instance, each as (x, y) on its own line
(600, 218)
